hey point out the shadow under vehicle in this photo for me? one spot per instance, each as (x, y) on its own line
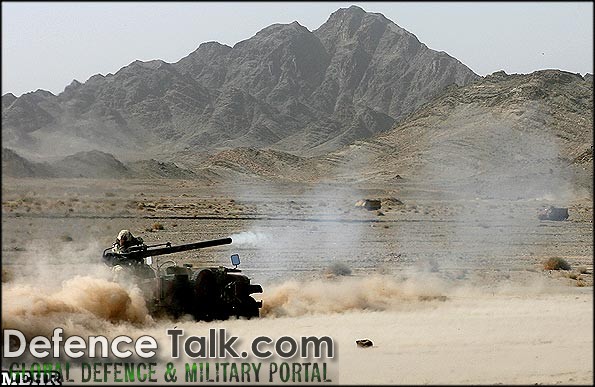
(213, 293)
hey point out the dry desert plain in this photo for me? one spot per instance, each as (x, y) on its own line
(450, 289)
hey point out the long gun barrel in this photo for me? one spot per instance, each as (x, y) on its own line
(146, 251)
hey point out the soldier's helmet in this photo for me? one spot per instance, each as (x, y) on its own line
(124, 236)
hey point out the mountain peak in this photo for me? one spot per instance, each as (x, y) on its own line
(213, 45)
(151, 64)
(282, 28)
(344, 23)
(341, 13)
(43, 92)
(352, 9)
(74, 85)
(354, 12)
(8, 99)
(286, 87)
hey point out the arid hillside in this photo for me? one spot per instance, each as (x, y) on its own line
(521, 133)
(512, 135)
(93, 164)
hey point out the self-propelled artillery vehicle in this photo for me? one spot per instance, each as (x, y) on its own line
(213, 293)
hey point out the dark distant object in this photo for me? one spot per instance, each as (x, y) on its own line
(553, 213)
(369, 204)
(338, 269)
(364, 343)
(556, 263)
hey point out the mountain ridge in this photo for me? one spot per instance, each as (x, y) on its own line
(92, 164)
(287, 88)
(536, 127)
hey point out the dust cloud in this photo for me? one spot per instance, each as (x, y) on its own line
(92, 303)
(348, 294)
(43, 294)
(67, 287)
(82, 305)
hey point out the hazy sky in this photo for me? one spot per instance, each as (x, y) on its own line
(47, 45)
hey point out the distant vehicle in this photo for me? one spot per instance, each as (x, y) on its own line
(215, 293)
(553, 213)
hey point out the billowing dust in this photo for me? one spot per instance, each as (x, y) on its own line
(37, 302)
(375, 293)
(82, 305)
(68, 288)
(95, 304)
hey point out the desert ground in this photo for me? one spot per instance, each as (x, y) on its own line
(450, 288)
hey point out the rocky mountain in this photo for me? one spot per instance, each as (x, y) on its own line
(233, 164)
(93, 164)
(286, 88)
(519, 135)
(14, 165)
(513, 135)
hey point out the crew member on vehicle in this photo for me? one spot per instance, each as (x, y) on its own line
(125, 241)
(123, 245)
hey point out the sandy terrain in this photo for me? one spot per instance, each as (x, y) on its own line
(450, 289)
